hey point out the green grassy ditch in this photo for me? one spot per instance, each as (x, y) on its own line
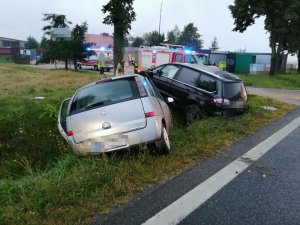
(41, 182)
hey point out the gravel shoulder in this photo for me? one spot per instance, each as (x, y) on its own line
(288, 96)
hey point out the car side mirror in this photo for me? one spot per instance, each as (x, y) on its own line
(159, 73)
(150, 73)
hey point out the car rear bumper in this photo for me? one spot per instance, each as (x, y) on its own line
(150, 133)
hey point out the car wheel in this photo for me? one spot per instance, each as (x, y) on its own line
(163, 145)
(96, 68)
(192, 113)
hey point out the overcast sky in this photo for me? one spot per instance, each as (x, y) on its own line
(21, 18)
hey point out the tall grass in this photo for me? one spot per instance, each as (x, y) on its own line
(43, 183)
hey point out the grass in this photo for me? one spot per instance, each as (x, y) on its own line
(42, 183)
(282, 81)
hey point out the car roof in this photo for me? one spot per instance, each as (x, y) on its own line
(214, 71)
(109, 79)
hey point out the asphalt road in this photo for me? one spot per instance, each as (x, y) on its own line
(266, 192)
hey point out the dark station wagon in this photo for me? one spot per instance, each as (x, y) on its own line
(200, 89)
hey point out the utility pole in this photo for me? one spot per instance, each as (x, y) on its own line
(160, 22)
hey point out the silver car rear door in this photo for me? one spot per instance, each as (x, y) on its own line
(62, 115)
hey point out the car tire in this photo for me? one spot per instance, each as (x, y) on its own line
(192, 113)
(163, 145)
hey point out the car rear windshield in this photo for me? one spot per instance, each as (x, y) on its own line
(104, 93)
(234, 91)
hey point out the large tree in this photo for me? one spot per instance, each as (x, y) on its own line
(77, 45)
(137, 42)
(279, 14)
(154, 38)
(58, 49)
(173, 35)
(214, 44)
(31, 43)
(120, 15)
(56, 21)
(190, 37)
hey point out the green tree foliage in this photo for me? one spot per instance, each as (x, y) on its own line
(190, 37)
(154, 38)
(31, 43)
(137, 42)
(58, 49)
(56, 21)
(44, 43)
(77, 46)
(214, 44)
(173, 35)
(120, 15)
(281, 18)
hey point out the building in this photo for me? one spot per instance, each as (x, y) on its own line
(103, 40)
(11, 47)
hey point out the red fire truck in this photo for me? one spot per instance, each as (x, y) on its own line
(149, 57)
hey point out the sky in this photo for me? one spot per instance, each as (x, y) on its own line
(22, 18)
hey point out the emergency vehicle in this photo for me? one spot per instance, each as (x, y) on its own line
(149, 57)
(100, 54)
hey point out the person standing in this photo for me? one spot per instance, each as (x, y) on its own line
(101, 63)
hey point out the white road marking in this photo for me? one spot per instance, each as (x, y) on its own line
(186, 204)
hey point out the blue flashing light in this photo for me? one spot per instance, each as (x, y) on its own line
(154, 50)
(88, 49)
(187, 51)
(102, 49)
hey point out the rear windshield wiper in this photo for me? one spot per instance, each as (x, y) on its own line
(94, 104)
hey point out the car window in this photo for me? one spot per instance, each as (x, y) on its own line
(189, 59)
(169, 71)
(234, 90)
(178, 58)
(104, 93)
(156, 69)
(188, 76)
(207, 83)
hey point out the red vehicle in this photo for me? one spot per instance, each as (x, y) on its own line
(92, 61)
(149, 57)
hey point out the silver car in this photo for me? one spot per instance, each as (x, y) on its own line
(115, 113)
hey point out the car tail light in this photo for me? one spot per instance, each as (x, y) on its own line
(70, 133)
(221, 101)
(149, 114)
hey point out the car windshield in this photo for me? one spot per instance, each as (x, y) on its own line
(202, 59)
(104, 93)
(234, 91)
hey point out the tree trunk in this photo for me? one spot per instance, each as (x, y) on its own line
(118, 47)
(66, 64)
(298, 70)
(273, 69)
(75, 64)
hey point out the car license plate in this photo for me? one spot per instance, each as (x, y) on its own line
(109, 142)
(115, 141)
